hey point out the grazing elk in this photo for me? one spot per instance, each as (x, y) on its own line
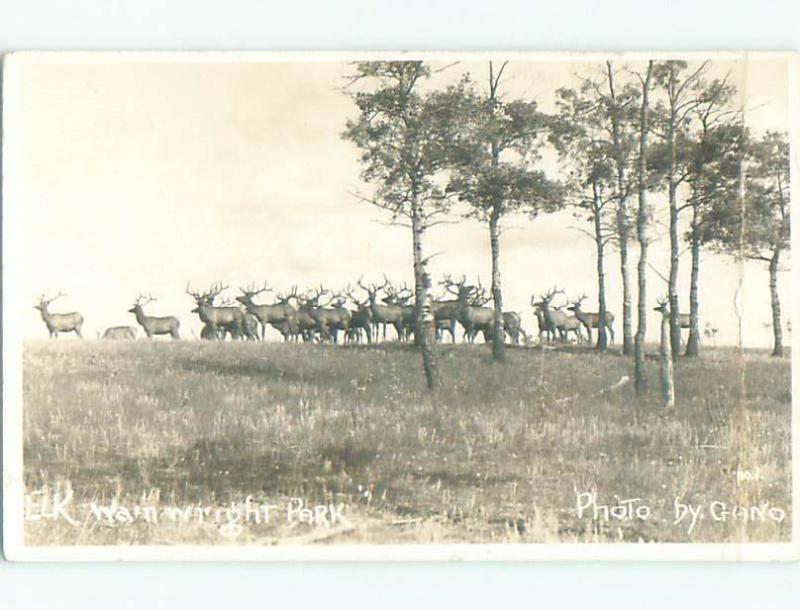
(227, 317)
(472, 318)
(59, 322)
(153, 325)
(280, 315)
(383, 314)
(591, 320)
(120, 333)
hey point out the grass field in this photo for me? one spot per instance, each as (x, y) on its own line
(501, 454)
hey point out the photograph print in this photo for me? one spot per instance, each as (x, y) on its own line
(398, 306)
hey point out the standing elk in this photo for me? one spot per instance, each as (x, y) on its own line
(445, 312)
(591, 320)
(280, 315)
(360, 320)
(120, 333)
(471, 317)
(400, 298)
(152, 325)
(383, 314)
(328, 321)
(557, 323)
(59, 322)
(227, 317)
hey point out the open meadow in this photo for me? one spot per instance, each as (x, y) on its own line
(502, 453)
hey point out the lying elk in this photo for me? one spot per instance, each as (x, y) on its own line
(383, 314)
(591, 320)
(280, 315)
(227, 317)
(59, 322)
(120, 333)
(472, 318)
(166, 325)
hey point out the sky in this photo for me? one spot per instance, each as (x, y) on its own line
(139, 176)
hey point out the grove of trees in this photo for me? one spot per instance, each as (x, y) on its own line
(622, 133)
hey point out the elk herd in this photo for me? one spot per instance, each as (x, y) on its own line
(363, 313)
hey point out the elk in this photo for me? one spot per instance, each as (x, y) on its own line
(360, 319)
(383, 314)
(400, 298)
(120, 333)
(59, 322)
(544, 331)
(445, 312)
(556, 321)
(339, 317)
(327, 321)
(231, 318)
(472, 318)
(152, 325)
(280, 315)
(591, 320)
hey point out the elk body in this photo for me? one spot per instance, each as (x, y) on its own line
(59, 322)
(556, 321)
(472, 318)
(360, 320)
(153, 325)
(228, 317)
(120, 333)
(280, 315)
(383, 315)
(591, 320)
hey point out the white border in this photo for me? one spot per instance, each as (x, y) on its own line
(14, 547)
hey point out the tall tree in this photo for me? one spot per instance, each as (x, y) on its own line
(494, 173)
(643, 218)
(713, 175)
(620, 110)
(762, 231)
(580, 140)
(683, 92)
(405, 136)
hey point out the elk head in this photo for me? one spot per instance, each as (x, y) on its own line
(140, 302)
(663, 306)
(372, 289)
(44, 302)
(576, 303)
(251, 291)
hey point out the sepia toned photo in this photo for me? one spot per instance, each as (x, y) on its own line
(398, 306)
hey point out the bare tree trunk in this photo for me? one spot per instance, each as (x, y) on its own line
(424, 323)
(602, 337)
(693, 343)
(674, 245)
(777, 328)
(667, 372)
(642, 220)
(623, 229)
(499, 335)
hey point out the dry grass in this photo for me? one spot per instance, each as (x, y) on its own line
(499, 455)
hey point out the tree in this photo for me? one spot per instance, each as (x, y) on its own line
(620, 110)
(760, 229)
(683, 93)
(713, 172)
(579, 139)
(643, 217)
(493, 171)
(405, 136)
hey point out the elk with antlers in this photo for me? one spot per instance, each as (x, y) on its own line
(473, 318)
(556, 322)
(591, 320)
(400, 298)
(360, 319)
(223, 317)
(152, 325)
(59, 322)
(280, 315)
(383, 314)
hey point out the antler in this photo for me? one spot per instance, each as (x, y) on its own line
(252, 291)
(43, 300)
(551, 293)
(142, 300)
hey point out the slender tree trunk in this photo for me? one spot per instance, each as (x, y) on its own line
(693, 343)
(642, 220)
(777, 328)
(674, 245)
(602, 337)
(667, 372)
(423, 305)
(498, 339)
(623, 228)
